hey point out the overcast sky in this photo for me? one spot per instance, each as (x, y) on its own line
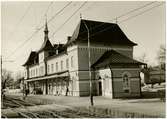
(21, 19)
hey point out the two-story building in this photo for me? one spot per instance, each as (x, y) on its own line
(62, 69)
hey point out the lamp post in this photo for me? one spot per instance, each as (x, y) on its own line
(90, 76)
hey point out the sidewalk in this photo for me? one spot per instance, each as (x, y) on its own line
(144, 106)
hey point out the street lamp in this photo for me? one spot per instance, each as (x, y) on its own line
(90, 77)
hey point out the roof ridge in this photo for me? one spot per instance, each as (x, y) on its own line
(105, 22)
(112, 56)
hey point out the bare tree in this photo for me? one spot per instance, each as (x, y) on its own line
(143, 58)
(161, 56)
(6, 79)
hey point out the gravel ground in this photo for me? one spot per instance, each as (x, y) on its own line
(144, 106)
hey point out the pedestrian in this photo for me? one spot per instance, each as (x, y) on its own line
(67, 91)
(27, 91)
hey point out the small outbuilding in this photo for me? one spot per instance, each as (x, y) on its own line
(118, 75)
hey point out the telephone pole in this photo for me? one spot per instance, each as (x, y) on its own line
(90, 76)
(1, 81)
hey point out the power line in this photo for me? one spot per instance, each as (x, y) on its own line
(34, 33)
(47, 9)
(141, 13)
(125, 20)
(68, 19)
(21, 19)
(129, 12)
(134, 10)
(52, 18)
(21, 45)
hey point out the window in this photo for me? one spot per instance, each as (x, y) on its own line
(61, 65)
(41, 70)
(48, 68)
(52, 68)
(36, 71)
(25, 74)
(67, 63)
(56, 66)
(126, 85)
(31, 73)
(72, 62)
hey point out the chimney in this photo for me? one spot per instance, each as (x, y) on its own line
(68, 38)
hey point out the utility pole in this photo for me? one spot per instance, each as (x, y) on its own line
(1, 80)
(90, 76)
(1, 85)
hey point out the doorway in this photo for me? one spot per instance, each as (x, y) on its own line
(100, 88)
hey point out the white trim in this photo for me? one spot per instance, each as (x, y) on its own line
(131, 79)
(125, 68)
(118, 79)
(135, 79)
(48, 77)
(80, 81)
(69, 49)
(126, 72)
(107, 48)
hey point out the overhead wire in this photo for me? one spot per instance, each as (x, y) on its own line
(52, 18)
(37, 30)
(92, 34)
(134, 10)
(21, 19)
(129, 12)
(141, 13)
(33, 32)
(68, 19)
(46, 11)
(125, 20)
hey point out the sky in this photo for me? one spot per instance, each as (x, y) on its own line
(19, 20)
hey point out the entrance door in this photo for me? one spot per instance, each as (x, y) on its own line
(100, 88)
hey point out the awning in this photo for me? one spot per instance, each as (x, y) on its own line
(57, 75)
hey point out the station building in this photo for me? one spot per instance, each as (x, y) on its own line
(62, 69)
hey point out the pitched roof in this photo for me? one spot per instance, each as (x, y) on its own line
(46, 46)
(113, 57)
(100, 32)
(31, 58)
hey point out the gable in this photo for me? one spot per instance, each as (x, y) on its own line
(32, 59)
(112, 57)
(100, 32)
(46, 46)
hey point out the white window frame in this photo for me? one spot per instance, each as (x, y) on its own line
(126, 87)
(57, 67)
(72, 61)
(52, 68)
(67, 63)
(61, 63)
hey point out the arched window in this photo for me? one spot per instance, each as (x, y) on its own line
(126, 83)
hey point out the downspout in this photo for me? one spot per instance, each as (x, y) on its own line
(112, 77)
(27, 68)
(46, 88)
(140, 84)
